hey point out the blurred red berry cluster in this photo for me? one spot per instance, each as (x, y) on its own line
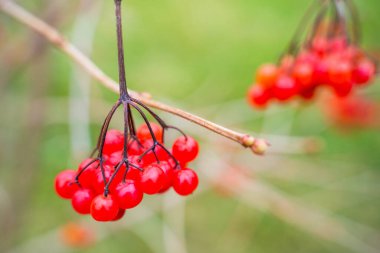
(351, 112)
(329, 56)
(151, 169)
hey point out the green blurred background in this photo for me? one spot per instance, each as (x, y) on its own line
(200, 56)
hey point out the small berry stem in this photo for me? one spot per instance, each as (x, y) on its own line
(120, 49)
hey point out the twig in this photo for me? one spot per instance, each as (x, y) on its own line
(14, 10)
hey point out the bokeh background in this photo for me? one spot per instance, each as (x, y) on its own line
(317, 190)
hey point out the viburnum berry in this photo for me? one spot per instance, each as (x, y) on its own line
(320, 45)
(119, 215)
(98, 183)
(258, 96)
(156, 153)
(321, 70)
(308, 93)
(267, 75)
(104, 208)
(364, 71)
(65, 185)
(152, 180)
(128, 194)
(81, 200)
(143, 133)
(185, 149)
(135, 148)
(168, 170)
(343, 89)
(114, 141)
(185, 181)
(340, 72)
(88, 171)
(285, 88)
(303, 74)
(133, 173)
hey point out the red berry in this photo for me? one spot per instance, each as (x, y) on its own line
(133, 173)
(258, 96)
(267, 75)
(343, 89)
(119, 215)
(321, 72)
(168, 170)
(115, 158)
(86, 162)
(143, 133)
(339, 72)
(87, 176)
(104, 208)
(114, 141)
(185, 181)
(303, 74)
(309, 93)
(152, 180)
(338, 44)
(320, 45)
(364, 71)
(185, 149)
(285, 88)
(150, 157)
(98, 183)
(81, 201)
(134, 148)
(307, 58)
(65, 185)
(128, 195)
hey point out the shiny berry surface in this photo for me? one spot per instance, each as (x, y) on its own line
(185, 149)
(65, 185)
(114, 141)
(143, 133)
(258, 96)
(104, 208)
(185, 181)
(152, 180)
(285, 88)
(128, 195)
(81, 201)
(267, 75)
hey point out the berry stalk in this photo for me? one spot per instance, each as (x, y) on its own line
(120, 49)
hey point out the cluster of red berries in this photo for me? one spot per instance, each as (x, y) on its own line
(329, 57)
(352, 112)
(106, 188)
(327, 63)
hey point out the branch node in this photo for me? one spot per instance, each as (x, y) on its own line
(260, 146)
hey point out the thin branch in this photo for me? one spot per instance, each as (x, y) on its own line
(23, 16)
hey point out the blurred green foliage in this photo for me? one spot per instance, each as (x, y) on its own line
(193, 54)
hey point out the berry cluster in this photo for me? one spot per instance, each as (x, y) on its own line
(129, 163)
(352, 112)
(107, 187)
(329, 57)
